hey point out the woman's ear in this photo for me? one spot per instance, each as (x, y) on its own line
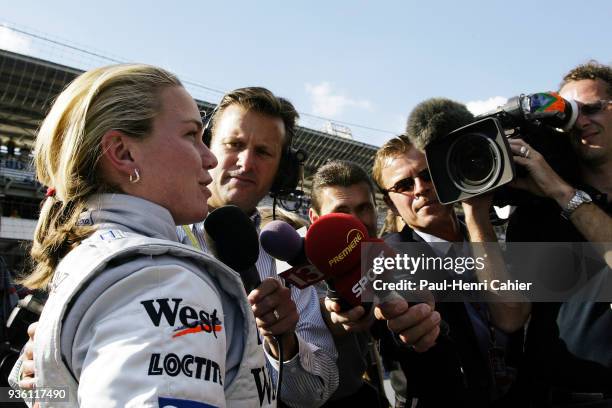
(116, 151)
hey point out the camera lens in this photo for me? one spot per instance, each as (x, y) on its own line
(473, 162)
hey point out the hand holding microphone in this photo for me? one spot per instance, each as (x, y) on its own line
(275, 312)
(354, 320)
(417, 326)
(232, 238)
(281, 241)
(333, 245)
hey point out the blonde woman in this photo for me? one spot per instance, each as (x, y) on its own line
(134, 318)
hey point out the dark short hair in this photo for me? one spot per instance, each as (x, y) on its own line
(434, 118)
(591, 70)
(337, 173)
(260, 100)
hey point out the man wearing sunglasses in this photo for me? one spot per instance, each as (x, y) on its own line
(342, 187)
(569, 345)
(457, 371)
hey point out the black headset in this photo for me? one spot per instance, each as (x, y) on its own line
(290, 169)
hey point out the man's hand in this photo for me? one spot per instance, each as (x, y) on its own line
(27, 378)
(478, 207)
(275, 315)
(542, 179)
(417, 326)
(351, 321)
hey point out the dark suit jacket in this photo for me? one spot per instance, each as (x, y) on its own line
(453, 373)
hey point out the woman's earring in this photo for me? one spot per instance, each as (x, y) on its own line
(135, 178)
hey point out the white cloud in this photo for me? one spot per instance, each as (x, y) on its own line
(326, 102)
(479, 107)
(13, 41)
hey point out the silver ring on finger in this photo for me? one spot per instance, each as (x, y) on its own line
(276, 314)
(526, 155)
(522, 150)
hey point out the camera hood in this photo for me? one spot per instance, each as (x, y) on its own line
(470, 161)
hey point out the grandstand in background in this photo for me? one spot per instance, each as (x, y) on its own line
(28, 85)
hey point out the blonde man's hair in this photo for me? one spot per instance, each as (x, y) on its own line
(393, 223)
(67, 151)
(395, 147)
(290, 218)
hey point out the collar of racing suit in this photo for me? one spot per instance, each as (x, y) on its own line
(108, 211)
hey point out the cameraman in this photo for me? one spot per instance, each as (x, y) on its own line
(569, 346)
(459, 370)
(591, 86)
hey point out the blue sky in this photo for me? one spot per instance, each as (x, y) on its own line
(362, 62)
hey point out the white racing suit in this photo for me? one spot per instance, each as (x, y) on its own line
(133, 320)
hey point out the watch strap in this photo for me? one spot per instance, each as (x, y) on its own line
(580, 197)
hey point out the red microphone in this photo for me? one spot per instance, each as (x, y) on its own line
(333, 245)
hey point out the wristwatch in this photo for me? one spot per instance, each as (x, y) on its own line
(579, 198)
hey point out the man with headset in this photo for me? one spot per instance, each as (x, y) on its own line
(250, 133)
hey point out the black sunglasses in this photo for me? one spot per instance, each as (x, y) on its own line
(595, 107)
(407, 185)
